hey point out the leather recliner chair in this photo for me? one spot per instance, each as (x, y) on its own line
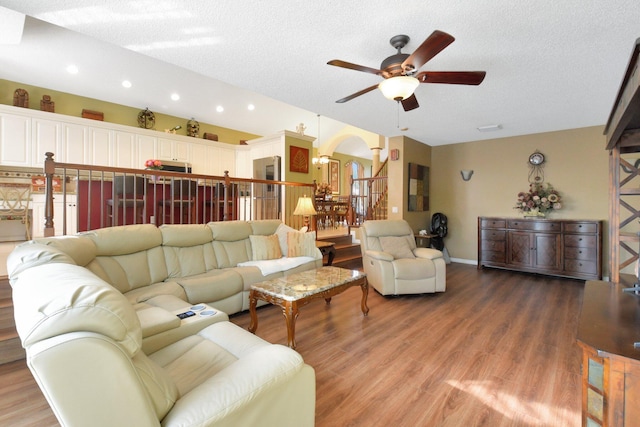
(393, 263)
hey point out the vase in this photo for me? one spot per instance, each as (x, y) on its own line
(534, 212)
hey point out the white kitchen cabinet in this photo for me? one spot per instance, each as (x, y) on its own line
(38, 211)
(46, 136)
(15, 140)
(125, 150)
(75, 144)
(101, 150)
(177, 151)
(146, 146)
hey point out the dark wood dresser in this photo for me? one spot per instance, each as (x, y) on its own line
(608, 327)
(567, 248)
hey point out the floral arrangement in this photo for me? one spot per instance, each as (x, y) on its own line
(540, 198)
(153, 164)
(323, 188)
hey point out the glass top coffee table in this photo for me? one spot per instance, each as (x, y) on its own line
(296, 290)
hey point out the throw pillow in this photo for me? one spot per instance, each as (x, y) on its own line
(301, 244)
(281, 232)
(397, 246)
(265, 247)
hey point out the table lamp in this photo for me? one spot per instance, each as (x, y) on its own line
(305, 207)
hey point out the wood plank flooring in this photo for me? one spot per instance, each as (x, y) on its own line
(496, 349)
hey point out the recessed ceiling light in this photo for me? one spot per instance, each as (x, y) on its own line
(219, 108)
(251, 107)
(489, 128)
(72, 69)
(175, 96)
(126, 83)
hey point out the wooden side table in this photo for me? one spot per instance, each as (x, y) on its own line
(328, 249)
(423, 240)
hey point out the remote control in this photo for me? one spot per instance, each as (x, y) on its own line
(185, 314)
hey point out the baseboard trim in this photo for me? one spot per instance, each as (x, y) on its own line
(465, 261)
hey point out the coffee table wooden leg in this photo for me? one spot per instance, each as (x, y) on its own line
(365, 294)
(253, 302)
(290, 311)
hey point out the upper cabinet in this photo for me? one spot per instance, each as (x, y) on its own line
(170, 149)
(26, 135)
(15, 140)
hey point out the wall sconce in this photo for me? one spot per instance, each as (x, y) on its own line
(466, 174)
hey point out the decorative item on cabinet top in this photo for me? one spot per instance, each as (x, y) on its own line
(193, 128)
(146, 119)
(46, 104)
(21, 98)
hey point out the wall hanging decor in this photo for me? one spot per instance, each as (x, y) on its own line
(334, 176)
(298, 159)
(418, 188)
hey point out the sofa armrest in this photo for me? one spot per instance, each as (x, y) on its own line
(427, 253)
(379, 255)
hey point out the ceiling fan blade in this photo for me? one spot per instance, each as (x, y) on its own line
(433, 45)
(411, 103)
(452, 77)
(351, 66)
(355, 95)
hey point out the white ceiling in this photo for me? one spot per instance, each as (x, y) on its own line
(551, 65)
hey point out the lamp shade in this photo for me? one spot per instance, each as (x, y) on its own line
(398, 88)
(304, 207)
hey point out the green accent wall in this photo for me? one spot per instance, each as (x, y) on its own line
(72, 105)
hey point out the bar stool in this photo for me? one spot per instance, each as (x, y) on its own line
(183, 199)
(128, 194)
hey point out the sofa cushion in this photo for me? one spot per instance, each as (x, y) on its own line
(397, 246)
(211, 286)
(169, 288)
(185, 235)
(117, 240)
(80, 249)
(80, 301)
(131, 271)
(301, 244)
(265, 247)
(282, 231)
(264, 227)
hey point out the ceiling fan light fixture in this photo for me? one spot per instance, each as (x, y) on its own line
(398, 88)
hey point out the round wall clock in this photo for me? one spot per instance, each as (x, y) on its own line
(536, 159)
(146, 119)
(536, 164)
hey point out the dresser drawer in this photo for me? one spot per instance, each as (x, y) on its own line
(523, 224)
(583, 253)
(492, 256)
(580, 266)
(494, 245)
(580, 227)
(579, 241)
(493, 235)
(493, 223)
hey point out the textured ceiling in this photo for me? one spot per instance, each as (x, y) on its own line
(550, 65)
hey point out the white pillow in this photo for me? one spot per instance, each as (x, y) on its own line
(281, 232)
(301, 244)
(265, 247)
(397, 246)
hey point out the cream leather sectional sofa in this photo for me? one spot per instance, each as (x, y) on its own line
(97, 315)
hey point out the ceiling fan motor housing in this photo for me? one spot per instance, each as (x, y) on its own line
(392, 66)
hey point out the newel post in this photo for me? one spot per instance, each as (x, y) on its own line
(225, 191)
(49, 171)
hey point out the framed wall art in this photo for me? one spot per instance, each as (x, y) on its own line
(418, 188)
(334, 176)
(298, 159)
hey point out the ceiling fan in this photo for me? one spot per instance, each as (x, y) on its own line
(400, 71)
